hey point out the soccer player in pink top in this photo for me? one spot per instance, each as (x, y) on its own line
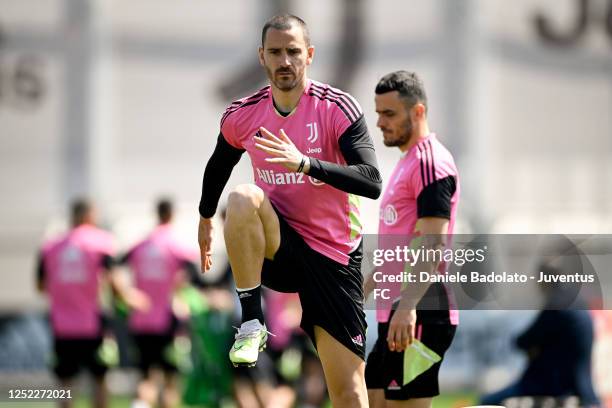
(70, 270)
(420, 200)
(297, 228)
(159, 264)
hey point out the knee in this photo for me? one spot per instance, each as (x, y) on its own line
(349, 397)
(244, 200)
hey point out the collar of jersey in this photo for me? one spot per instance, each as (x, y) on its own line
(429, 136)
(306, 88)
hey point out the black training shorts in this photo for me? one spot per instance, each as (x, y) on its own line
(385, 368)
(153, 351)
(331, 294)
(72, 354)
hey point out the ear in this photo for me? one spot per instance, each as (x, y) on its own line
(418, 111)
(260, 52)
(310, 54)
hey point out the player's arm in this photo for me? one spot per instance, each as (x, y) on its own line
(403, 322)
(218, 171)
(40, 273)
(434, 212)
(360, 175)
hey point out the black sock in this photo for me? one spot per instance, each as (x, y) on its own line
(250, 300)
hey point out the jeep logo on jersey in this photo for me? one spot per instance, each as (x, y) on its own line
(314, 132)
(389, 215)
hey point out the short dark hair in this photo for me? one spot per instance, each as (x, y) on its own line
(408, 84)
(285, 22)
(164, 209)
(79, 209)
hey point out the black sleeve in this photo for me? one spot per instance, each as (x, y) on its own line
(40, 268)
(435, 199)
(360, 176)
(217, 172)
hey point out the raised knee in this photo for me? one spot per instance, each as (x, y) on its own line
(243, 200)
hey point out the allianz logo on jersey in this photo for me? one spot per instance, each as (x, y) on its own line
(284, 178)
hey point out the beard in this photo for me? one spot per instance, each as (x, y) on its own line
(405, 132)
(283, 79)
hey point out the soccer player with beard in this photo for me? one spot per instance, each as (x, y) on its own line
(419, 201)
(297, 228)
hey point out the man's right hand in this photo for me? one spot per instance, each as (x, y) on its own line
(205, 232)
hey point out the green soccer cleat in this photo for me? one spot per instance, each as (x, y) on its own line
(250, 340)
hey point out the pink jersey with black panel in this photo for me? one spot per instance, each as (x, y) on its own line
(325, 217)
(425, 163)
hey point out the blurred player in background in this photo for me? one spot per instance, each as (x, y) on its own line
(420, 200)
(70, 271)
(159, 265)
(298, 370)
(559, 347)
(297, 229)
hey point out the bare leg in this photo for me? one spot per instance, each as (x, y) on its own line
(411, 403)
(66, 385)
(252, 394)
(344, 372)
(263, 392)
(376, 398)
(100, 393)
(170, 397)
(245, 394)
(282, 397)
(251, 232)
(147, 392)
(315, 389)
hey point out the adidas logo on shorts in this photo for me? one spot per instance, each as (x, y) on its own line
(358, 340)
(393, 385)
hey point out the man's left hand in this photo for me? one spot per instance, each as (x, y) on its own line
(401, 329)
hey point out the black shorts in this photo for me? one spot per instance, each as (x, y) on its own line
(331, 294)
(72, 354)
(385, 368)
(153, 351)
